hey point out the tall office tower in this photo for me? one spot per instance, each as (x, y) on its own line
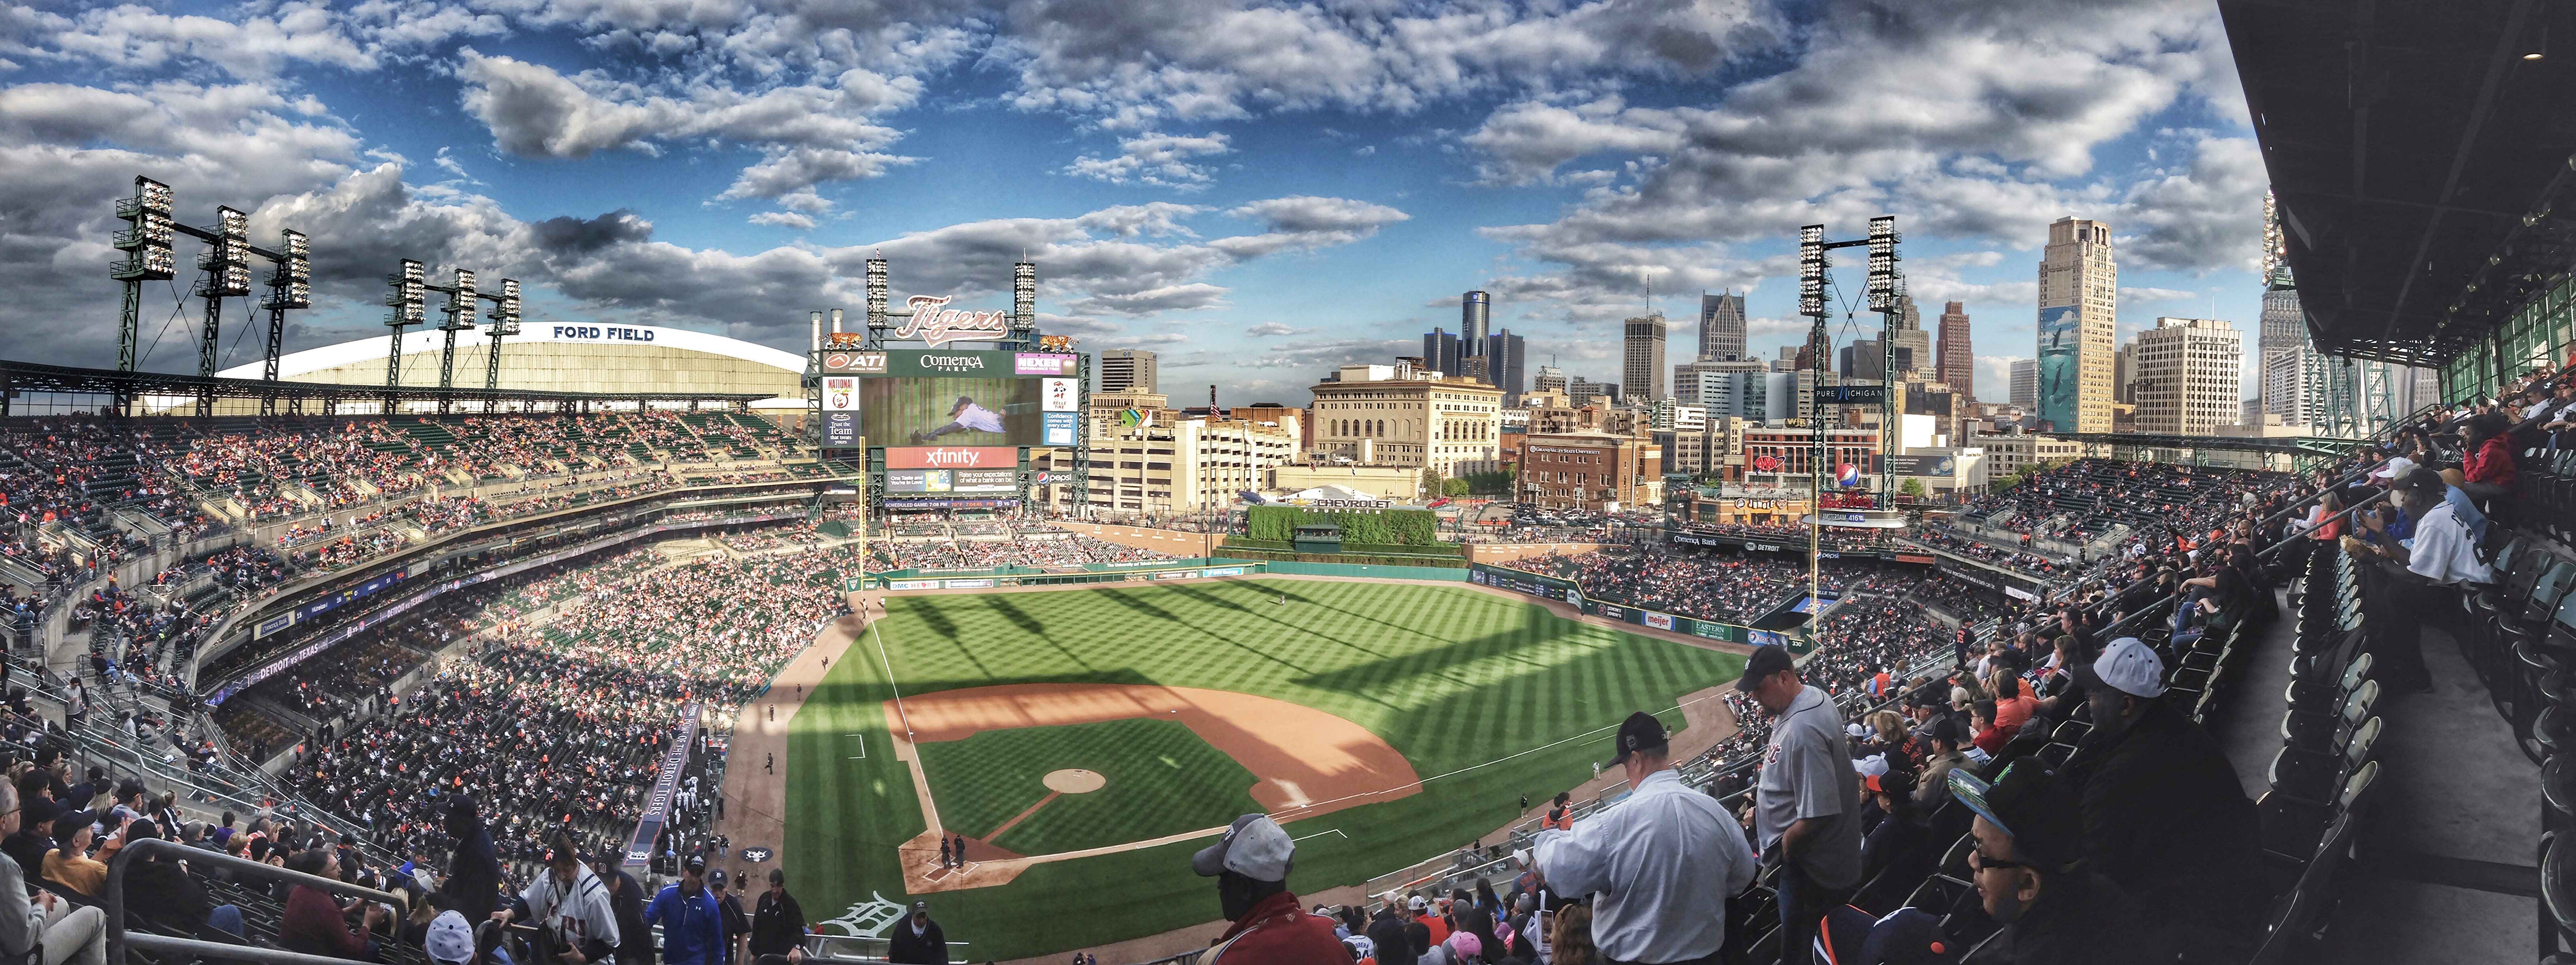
(2124, 374)
(2079, 301)
(2292, 368)
(1642, 377)
(1128, 370)
(2187, 376)
(1913, 344)
(1504, 354)
(1721, 326)
(1475, 321)
(2025, 383)
(1958, 359)
(1441, 351)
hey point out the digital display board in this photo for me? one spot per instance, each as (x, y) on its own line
(944, 481)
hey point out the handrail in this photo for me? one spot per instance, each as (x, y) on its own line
(2343, 516)
(118, 941)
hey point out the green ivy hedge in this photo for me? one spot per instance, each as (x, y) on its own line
(1392, 527)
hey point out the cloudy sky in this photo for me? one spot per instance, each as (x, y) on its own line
(1257, 190)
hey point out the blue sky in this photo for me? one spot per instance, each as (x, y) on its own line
(1258, 191)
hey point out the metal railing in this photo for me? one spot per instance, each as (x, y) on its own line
(119, 939)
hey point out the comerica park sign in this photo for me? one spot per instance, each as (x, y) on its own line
(936, 325)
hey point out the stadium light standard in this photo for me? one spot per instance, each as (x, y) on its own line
(290, 286)
(505, 322)
(146, 242)
(460, 318)
(409, 301)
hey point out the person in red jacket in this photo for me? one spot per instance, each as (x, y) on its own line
(314, 924)
(1250, 865)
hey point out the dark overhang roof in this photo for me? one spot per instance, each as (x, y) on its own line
(2422, 165)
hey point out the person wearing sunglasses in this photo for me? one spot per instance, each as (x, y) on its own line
(2028, 869)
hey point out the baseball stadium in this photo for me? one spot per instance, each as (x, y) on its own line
(490, 641)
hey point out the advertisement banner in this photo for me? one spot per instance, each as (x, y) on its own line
(1923, 465)
(840, 393)
(854, 362)
(952, 457)
(912, 584)
(1226, 571)
(981, 584)
(1060, 395)
(1177, 575)
(1911, 558)
(1062, 428)
(951, 480)
(902, 503)
(1046, 363)
(657, 808)
(1660, 621)
(840, 430)
(2060, 335)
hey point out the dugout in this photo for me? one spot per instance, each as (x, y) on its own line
(1318, 538)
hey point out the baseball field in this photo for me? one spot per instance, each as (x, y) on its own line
(1086, 741)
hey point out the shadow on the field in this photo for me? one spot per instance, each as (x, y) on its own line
(1393, 674)
(1130, 601)
(1214, 600)
(947, 630)
(1032, 626)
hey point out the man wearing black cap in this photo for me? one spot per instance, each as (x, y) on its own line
(35, 834)
(778, 923)
(1250, 865)
(1807, 800)
(692, 926)
(2029, 873)
(917, 940)
(1660, 866)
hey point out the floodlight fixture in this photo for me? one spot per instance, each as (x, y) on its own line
(1811, 271)
(460, 302)
(291, 284)
(409, 301)
(1882, 264)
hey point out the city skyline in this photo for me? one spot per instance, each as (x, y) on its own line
(1255, 214)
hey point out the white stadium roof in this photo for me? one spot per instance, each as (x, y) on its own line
(311, 360)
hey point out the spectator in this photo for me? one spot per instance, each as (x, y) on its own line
(1981, 718)
(2164, 815)
(736, 924)
(474, 873)
(575, 915)
(2013, 704)
(1571, 942)
(1387, 932)
(69, 864)
(917, 940)
(2030, 874)
(34, 835)
(1807, 801)
(1947, 735)
(160, 894)
(1659, 866)
(634, 940)
(449, 941)
(692, 925)
(778, 922)
(314, 924)
(1250, 865)
(68, 934)
(1900, 831)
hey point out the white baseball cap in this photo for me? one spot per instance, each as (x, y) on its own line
(450, 939)
(2397, 468)
(1255, 847)
(2127, 666)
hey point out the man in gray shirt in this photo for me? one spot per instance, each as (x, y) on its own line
(1807, 802)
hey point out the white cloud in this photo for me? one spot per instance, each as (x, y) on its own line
(1306, 222)
(2148, 295)
(783, 219)
(1153, 158)
(1275, 329)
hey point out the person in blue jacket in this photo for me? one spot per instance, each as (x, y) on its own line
(692, 925)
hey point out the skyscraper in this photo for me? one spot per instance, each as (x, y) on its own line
(1958, 359)
(2025, 383)
(1441, 350)
(1128, 370)
(2187, 376)
(1913, 344)
(1721, 326)
(1641, 378)
(1475, 321)
(2079, 285)
(2292, 370)
(1504, 355)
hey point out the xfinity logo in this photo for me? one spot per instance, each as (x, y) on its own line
(953, 457)
(958, 362)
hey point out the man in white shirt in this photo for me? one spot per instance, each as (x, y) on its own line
(1660, 865)
(2441, 553)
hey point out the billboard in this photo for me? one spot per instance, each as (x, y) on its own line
(944, 481)
(1923, 465)
(952, 457)
(951, 412)
(840, 430)
(2060, 334)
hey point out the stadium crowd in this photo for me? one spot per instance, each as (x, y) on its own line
(1724, 588)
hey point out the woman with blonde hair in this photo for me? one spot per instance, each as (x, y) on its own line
(1572, 943)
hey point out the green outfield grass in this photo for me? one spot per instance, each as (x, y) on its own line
(1451, 677)
(1162, 778)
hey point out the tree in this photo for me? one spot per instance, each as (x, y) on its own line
(1431, 480)
(1912, 487)
(1455, 487)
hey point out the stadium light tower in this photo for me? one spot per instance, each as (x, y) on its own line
(1811, 303)
(289, 287)
(505, 322)
(409, 300)
(460, 318)
(1886, 287)
(227, 265)
(146, 243)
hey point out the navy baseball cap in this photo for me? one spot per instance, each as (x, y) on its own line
(1640, 732)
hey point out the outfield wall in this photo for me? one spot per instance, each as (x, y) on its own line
(1507, 552)
(1174, 542)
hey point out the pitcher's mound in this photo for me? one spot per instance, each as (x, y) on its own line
(1073, 781)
